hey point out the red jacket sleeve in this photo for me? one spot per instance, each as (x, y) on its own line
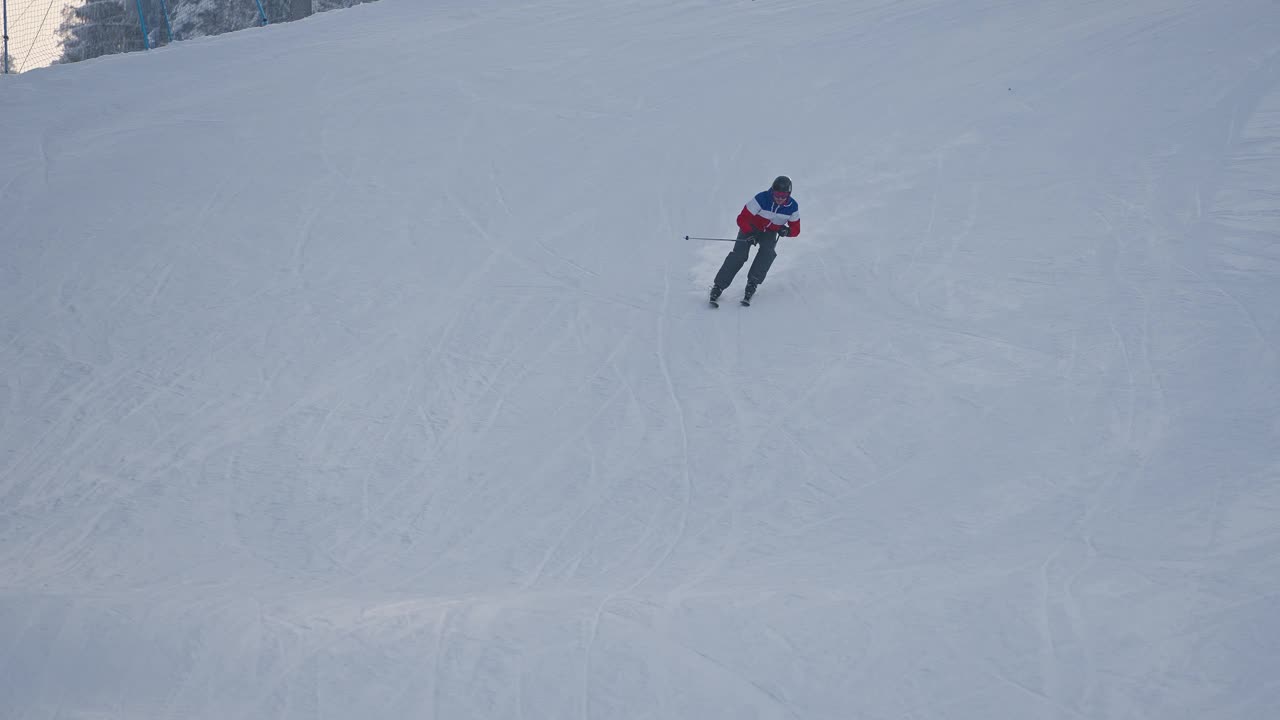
(749, 222)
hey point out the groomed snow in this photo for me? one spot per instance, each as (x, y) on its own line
(358, 367)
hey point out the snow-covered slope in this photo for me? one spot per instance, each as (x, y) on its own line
(390, 390)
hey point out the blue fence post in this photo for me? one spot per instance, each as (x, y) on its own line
(164, 8)
(142, 20)
(4, 55)
(262, 13)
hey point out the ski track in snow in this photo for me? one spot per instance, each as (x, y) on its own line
(392, 391)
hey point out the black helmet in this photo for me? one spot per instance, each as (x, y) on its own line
(782, 183)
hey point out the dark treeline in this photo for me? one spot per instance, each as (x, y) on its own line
(105, 27)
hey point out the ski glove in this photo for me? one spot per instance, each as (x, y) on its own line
(784, 231)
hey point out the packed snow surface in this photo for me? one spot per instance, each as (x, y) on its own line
(359, 368)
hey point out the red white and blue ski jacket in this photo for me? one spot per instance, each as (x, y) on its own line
(763, 214)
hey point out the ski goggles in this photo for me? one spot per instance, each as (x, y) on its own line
(781, 197)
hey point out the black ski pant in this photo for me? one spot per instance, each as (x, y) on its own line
(738, 257)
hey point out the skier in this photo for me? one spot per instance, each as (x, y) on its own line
(766, 216)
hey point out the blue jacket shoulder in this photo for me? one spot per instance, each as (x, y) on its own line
(765, 200)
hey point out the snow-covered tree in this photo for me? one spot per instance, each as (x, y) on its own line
(103, 27)
(100, 27)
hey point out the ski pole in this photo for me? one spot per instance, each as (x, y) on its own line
(732, 240)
